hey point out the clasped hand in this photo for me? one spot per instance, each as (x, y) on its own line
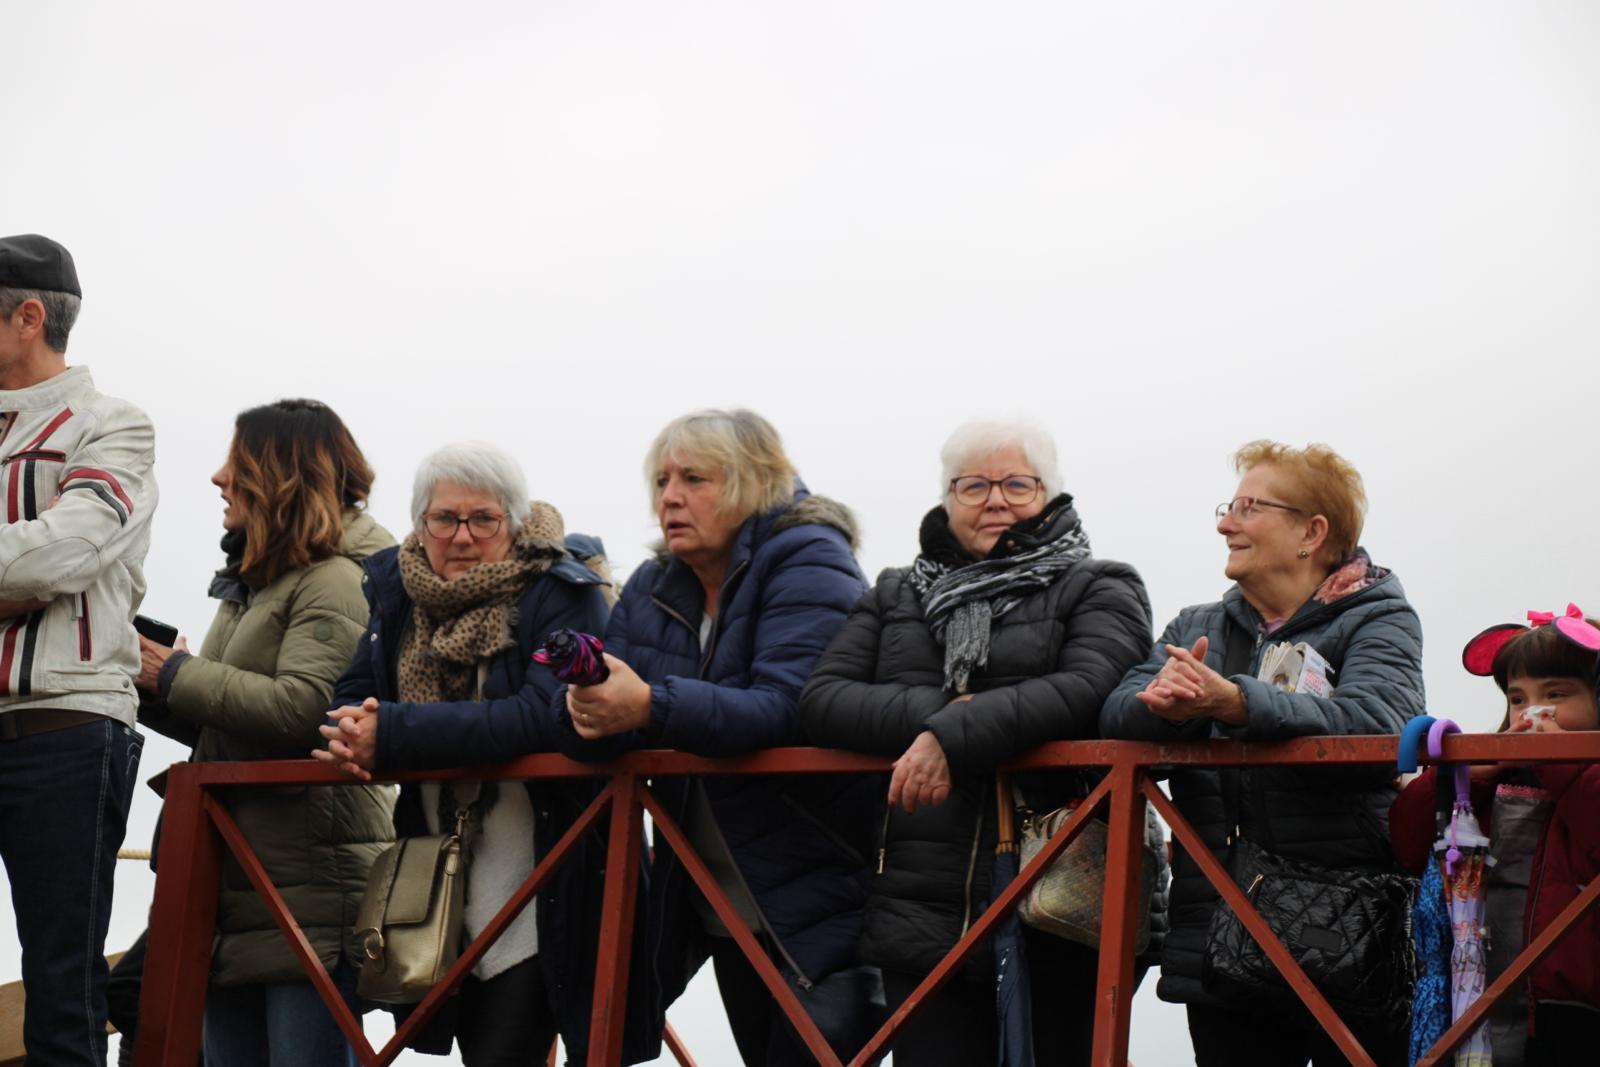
(1187, 689)
(615, 706)
(922, 775)
(152, 657)
(352, 739)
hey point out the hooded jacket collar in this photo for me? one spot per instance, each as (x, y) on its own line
(681, 591)
(1379, 583)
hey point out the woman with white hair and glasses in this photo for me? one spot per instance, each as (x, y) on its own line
(708, 649)
(443, 677)
(1004, 633)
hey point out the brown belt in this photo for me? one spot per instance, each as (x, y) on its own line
(25, 722)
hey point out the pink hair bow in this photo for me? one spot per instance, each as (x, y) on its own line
(1545, 618)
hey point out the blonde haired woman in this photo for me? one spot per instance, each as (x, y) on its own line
(709, 647)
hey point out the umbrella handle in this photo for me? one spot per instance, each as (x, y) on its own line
(1005, 814)
(1436, 734)
(1411, 738)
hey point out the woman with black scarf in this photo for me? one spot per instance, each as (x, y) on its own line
(1004, 633)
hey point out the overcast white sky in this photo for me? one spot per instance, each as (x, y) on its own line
(1162, 228)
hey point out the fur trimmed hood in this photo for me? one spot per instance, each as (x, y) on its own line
(823, 511)
(806, 509)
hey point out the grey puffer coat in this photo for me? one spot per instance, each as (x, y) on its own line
(1053, 659)
(1336, 817)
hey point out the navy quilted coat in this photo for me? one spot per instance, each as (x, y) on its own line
(1336, 817)
(516, 718)
(801, 842)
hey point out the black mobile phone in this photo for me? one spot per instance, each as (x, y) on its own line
(157, 631)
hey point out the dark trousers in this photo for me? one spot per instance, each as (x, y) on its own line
(1563, 1034)
(506, 1021)
(122, 997)
(1290, 1038)
(957, 1025)
(64, 799)
(761, 1031)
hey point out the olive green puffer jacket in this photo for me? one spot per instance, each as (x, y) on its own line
(258, 689)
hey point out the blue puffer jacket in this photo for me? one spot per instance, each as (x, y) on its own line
(1335, 816)
(801, 841)
(516, 719)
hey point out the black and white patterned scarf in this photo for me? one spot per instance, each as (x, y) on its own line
(962, 597)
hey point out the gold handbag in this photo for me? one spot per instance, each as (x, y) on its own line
(409, 923)
(1066, 899)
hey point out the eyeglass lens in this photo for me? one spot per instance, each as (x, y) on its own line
(1015, 489)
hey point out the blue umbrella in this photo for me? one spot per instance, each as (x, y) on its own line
(1430, 1000)
(1013, 992)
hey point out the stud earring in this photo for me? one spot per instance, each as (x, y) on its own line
(1304, 554)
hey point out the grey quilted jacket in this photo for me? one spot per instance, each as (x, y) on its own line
(1337, 817)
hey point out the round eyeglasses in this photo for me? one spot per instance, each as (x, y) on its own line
(482, 525)
(1015, 489)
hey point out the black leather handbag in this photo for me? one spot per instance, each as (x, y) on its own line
(1349, 929)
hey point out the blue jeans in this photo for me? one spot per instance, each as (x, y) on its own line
(64, 799)
(277, 1024)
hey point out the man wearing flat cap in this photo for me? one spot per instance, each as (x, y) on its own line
(76, 492)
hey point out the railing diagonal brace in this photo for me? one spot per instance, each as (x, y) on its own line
(429, 1006)
(1292, 972)
(310, 962)
(1525, 961)
(747, 942)
(986, 923)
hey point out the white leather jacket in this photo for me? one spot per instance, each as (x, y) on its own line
(82, 553)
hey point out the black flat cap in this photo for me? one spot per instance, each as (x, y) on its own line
(28, 261)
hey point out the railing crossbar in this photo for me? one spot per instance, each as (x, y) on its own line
(199, 827)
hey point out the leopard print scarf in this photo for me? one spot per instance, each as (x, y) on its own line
(460, 622)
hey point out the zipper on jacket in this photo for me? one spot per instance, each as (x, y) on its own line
(972, 869)
(883, 838)
(85, 641)
(1533, 903)
(801, 979)
(804, 982)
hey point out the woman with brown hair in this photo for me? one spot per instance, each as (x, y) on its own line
(292, 609)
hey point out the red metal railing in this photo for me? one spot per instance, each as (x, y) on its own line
(197, 827)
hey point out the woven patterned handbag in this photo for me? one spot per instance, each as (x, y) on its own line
(1066, 900)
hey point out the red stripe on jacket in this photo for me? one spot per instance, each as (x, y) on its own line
(6, 652)
(100, 476)
(55, 424)
(11, 491)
